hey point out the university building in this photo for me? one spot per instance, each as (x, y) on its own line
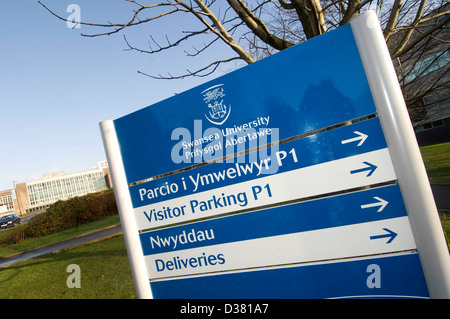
(39, 194)
(424, 74)
(7, 202)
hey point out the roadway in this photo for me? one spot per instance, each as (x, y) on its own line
(441, 196)
(59, 246)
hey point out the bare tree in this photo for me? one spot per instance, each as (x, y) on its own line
(421, 57)
(256, 28)
(271, 25)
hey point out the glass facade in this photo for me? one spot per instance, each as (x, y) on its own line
(424, 66)
(46, 191)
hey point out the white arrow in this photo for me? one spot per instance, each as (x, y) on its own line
(381, 202)
(361, 138)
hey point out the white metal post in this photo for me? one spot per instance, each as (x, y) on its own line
(405, 153)
(125, 207)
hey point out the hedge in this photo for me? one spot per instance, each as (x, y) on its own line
(63, 215)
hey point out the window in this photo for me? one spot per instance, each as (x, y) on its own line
(7, 203)
(429, 64)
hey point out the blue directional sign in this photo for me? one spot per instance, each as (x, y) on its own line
(273, 181)
(313, 150)
(286, 91)
(398, 276)
(328, 212)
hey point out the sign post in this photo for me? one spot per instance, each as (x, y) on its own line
(295, 177)
(125, 208)
(405, 154)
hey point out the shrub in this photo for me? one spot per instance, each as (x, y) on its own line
(63, 215)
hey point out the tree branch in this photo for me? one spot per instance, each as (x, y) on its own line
(133, 21)
(162, 48)
(402, 48)
(212, 66)
(222, 32)
(257, 26)
(311, 16)
(395, 11)
(352, 10)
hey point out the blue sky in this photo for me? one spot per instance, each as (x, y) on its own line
(56, 86)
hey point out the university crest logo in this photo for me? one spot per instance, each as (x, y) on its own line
(218, 111)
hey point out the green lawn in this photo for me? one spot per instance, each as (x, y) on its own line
(437, 162)
(445, 221)
(104, 269)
